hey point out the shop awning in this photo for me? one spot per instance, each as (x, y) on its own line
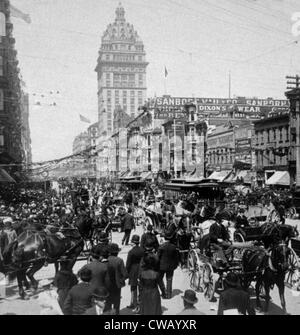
(146, 175)
(5, 177)
(279, 178)
(219, 175)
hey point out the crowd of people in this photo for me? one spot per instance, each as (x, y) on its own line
(150, 265)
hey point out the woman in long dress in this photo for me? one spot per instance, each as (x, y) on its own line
(148, 280)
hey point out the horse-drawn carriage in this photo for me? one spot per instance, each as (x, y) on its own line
(281, 259)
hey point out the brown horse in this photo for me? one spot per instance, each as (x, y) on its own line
(33, 250)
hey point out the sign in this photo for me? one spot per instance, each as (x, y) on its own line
(169, 107)
(243, 145)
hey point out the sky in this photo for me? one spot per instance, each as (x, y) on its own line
(199, 42)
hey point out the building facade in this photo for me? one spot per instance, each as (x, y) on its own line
(121, 73)
(25, 134)
(275, 146)
(14, 128)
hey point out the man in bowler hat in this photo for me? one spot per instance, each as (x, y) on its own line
(168, 257)
(189, 300)
(134, 258)
(117, 275)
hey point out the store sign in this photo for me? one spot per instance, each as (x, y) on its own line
(243, 145)
(166, 107)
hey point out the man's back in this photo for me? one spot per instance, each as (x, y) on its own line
(168, 257)
(99, 274)
(116, 272)
(78, 300)
(234, 298)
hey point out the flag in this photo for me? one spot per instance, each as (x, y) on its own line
(166, 72)
(15, 12)
(84, 119)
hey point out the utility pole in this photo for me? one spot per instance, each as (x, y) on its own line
(294, 97)
(229, 84)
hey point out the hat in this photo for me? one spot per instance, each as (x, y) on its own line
(148, 248)
(190, 297)
(169, 235)
(114, 248)
(149, 227)
(223, 215)
(103, 237)
(100, 293)
(135, 239)
(232, 279)
(7, 221)
(85, 275)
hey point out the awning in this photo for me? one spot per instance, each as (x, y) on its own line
(146, 175)
(220, 175)
(230, 178)
(5, 177)
(279, 178)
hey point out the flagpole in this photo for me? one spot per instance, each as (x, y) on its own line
(165, 85)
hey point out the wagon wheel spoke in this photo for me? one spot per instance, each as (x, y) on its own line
(292, 275)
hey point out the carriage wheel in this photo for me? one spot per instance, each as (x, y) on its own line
(238, 237)
(194, 272)
(292, 276)
(208, 282)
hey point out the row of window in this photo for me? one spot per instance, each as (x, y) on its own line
(272, 135)
(124, 58)
(122, 47)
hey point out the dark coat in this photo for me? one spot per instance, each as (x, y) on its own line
(168, 256)
(78, 300)
(134, 258)
(117, 273)
(217, 231)
(150, 240)
(64, 281)
(150, 296)
(235, 298)
(241, 220)
(127, 222)
(99, 274)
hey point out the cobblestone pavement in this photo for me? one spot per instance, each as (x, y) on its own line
(13, 304)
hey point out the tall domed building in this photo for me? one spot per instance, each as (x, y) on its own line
(121, 70)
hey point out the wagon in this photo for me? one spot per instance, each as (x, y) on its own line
(205, 276)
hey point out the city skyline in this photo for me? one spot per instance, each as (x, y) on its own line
(58, 53)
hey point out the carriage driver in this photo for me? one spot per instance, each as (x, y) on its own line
(219, 240)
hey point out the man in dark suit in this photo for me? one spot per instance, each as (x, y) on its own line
(79, 298)
(241, 219)
(219, 239)
(134, 258)
(99, 299)
(98, 267)
(168, 257)
(127, 222)
(234, 299)
(117, 275)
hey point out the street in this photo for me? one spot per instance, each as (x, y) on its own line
(13, 304)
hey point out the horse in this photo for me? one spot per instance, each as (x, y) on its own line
(32, 250)
(267, 269)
